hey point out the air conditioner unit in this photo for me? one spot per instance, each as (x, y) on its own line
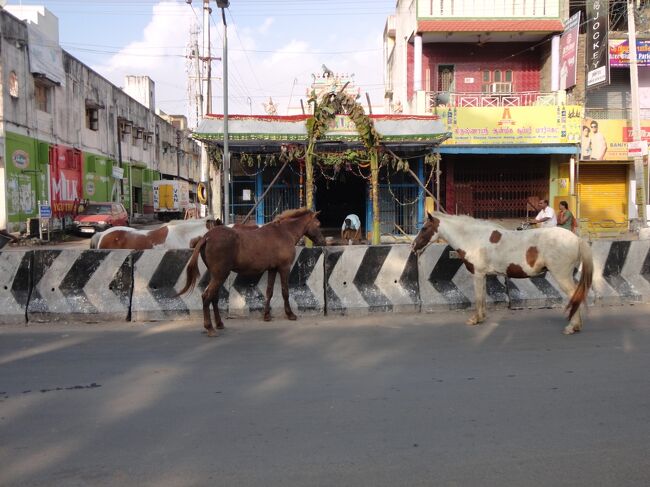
(502, 87)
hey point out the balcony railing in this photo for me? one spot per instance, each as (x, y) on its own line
(521, 99)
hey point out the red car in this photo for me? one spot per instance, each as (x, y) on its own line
(97, 217)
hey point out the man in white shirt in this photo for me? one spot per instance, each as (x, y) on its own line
(546, 217)
(351, 228)
(598, 143)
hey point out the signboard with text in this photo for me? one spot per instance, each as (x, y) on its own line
(608, 140)
(619, 53)
(569, 53)
(597, 48)
(513, 125)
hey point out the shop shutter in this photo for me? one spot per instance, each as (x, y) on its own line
(603, 192)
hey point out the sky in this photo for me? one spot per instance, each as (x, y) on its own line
(274, 46)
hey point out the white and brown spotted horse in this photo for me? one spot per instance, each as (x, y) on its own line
(487, 249)
(176, 234)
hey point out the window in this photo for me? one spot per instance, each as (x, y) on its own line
(486, 76)
(92, 118)
(42, 95)
(13, 84)
(508, 76)
(497, 76)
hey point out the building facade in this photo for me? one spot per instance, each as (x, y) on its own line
(510, 80)
(68, 135)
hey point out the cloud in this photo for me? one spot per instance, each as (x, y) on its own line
(256, 72)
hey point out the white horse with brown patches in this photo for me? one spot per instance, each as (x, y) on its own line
(175, 235)
(488, 249)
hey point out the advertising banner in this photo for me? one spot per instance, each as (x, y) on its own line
(513, 125)
(597, 55)
(65, 179)
(569, 52)
(607, 140)
(619, 53)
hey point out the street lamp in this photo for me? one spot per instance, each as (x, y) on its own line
(224, 4)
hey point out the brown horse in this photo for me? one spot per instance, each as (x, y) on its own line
(270, 247)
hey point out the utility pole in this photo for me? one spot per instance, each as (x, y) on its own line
(636, 115)
(223, 5)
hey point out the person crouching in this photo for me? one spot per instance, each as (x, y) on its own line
(351, 229)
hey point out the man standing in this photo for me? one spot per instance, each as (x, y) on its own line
(598, 143)
(546, 216)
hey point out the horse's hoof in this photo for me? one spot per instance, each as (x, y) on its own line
(292, 317)
(220, 326)
(212, 333)
(569, 330)
(267, 317)
(473, 321)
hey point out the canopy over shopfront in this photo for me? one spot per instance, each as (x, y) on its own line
(401, 136)
(266, 133)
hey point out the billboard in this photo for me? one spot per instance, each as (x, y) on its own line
(597, 57)
(569, 52)
(513, 125)
(619, 53)
(607, 140)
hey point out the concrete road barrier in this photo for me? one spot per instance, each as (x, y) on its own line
(84, 286)
(368, 279)
(247, 294)
(158, 275)
(445, 283)
(622, 271)
(15, 286)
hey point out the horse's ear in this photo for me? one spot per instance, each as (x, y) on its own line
(429, 216)
(316, 213)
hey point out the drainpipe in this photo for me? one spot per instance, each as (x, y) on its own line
(119, 155)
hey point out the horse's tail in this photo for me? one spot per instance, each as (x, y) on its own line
(584, 284)
(192, 273)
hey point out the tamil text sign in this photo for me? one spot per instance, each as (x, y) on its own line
(513, 125)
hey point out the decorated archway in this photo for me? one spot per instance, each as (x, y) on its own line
(338, 135)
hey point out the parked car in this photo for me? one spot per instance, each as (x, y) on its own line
(97, 217)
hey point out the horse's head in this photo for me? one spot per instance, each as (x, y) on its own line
(428, 231)
(312, 230)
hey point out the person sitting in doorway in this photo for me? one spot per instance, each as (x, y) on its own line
(546, 216)
(565, 218)
(351, 229)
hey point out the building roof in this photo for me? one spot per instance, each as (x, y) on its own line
(501, 25)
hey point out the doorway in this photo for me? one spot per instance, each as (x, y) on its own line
(337, 196)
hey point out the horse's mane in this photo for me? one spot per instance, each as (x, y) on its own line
(287, 214)
(172, 223)
(471, 221)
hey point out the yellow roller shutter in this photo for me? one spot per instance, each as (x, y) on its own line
(603, 192)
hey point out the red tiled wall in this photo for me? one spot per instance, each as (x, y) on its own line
(470, 60)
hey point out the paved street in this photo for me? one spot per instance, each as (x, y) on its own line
(387, 400)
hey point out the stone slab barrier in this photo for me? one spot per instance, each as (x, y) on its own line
(97, 285)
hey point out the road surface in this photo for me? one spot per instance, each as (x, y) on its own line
(389, 400)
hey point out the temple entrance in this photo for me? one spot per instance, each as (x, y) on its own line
(337, 196)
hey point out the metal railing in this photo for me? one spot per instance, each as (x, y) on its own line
(520, 99)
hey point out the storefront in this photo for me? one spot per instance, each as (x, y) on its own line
(499, 158)
(342, 174)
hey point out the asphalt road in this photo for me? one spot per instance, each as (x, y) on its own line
(380, 401)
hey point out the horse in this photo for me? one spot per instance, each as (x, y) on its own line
(176, 234)
(270, 247)
(487, 249)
